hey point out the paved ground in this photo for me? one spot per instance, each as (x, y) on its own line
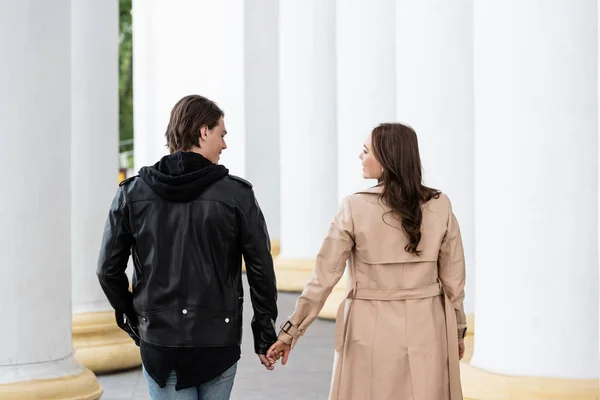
(306, 376)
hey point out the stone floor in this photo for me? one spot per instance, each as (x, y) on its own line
(306, 376)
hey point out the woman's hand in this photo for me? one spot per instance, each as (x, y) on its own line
(277, 351)
(461, 350)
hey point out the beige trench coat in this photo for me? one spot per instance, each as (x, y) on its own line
(397, 329)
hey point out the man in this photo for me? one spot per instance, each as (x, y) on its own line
(187, 223)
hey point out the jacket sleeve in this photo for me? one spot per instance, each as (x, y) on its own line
(451, 269)
(329, 269)
(112, 263)
(256, 249)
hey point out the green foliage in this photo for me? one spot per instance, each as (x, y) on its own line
(125, 81)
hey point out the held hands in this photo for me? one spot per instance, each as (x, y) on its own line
(279, 350)
(264, 361)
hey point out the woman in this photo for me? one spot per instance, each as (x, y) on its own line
(400, 330)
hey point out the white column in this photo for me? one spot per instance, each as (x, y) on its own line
(148, 143)
(366, 93)
(366, 77)
(261, 89)
(187, 47)
(434, 86)
(94, 150)
(537, 193)
(36, 354)
(308, 135)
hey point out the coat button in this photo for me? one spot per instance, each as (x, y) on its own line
(227, 320)
(184, 311)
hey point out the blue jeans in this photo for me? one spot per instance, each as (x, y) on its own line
(217, 389)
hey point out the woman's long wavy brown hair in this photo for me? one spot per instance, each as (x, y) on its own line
(396, 148)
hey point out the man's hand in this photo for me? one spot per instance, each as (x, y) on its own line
(278, 350)
(461, 350)
(268, 365)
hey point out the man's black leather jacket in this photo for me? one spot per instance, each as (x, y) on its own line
(187, 223)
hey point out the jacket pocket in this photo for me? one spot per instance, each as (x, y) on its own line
(190, 326)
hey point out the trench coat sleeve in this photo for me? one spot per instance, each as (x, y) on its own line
(451, 268)
(329, 268)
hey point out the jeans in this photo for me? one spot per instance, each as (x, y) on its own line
(217, 389)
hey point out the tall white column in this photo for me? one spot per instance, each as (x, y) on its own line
(261, 89)
(366, 77)
(536, 200)
(434, 86)
(99, 343)
(366, 93)
(308, 135)
(36, 354)
(187, 47)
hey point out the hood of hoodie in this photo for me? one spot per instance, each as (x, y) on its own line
(182, 176)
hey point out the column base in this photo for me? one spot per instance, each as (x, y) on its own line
(275, 249)
(62, 379)
(101, 345)
(293, 273)
(82, 386)
(482, 385)
(332, 304)
(469, 340)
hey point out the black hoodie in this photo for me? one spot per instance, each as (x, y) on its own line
(182, 176)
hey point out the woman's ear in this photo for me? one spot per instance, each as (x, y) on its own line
(203, 132)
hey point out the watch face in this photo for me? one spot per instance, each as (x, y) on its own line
(464, 333)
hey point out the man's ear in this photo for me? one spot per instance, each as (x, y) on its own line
(203, 132)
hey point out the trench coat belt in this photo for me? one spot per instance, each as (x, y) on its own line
(436, 289)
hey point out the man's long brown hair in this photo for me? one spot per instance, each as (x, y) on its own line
(396, 148)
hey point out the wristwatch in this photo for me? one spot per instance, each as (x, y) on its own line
(462, 334)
